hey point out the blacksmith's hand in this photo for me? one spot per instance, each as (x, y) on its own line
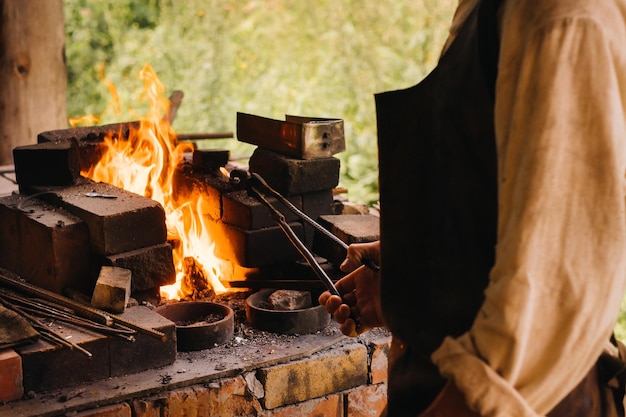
(359, 308)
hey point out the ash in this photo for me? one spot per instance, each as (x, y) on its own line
(253, 345)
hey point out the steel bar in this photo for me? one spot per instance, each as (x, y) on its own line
(202, 136)
(304, 251)
(289, 284)
(43, 329)
(92, 313)
(80, 322)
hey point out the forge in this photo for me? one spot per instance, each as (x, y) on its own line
(60, 229)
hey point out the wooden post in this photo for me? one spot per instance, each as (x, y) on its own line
(33, 74)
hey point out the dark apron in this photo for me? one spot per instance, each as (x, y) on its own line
(438, 197)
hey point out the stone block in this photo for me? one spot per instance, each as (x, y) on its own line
(324, 373)
(146, 352)
(90, 139)
(291, 176)
(247, 212)
(122, 223)
(209, 160)
(254, 248)
(349, 228)
(112, 290)
(11, 377)
(314, 205)
(47, 367)
(190, 186)
(46, 245)
(50, 163)
(151, 267)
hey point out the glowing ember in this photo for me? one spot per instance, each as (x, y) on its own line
(145, 164)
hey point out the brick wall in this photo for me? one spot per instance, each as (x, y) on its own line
(347, 379)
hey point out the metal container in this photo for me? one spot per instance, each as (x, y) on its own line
(193, 330)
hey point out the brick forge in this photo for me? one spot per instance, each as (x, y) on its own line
(116, 236)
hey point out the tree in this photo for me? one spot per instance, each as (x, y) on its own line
(33, 73)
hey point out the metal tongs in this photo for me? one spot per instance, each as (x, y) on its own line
(254, 183)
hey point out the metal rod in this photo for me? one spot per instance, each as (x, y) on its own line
(304, 251)
(367, 262)
(42, 328)
(295, 284)
(202, 136)
(92, 313)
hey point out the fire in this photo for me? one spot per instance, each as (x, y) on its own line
(145, 164)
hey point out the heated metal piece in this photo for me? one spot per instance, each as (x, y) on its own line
(99, 195)
(296, 136)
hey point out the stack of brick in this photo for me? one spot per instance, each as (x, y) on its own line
(56, 236)
(61, 228)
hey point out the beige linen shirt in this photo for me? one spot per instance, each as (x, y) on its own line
(560, 269)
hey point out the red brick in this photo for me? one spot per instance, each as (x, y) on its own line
(231, 398)
(330, 406)
(11, 377)
(182, 403)
(117, 410)
(380, 358)
(367, 401)
(147, 407)
(224, 398)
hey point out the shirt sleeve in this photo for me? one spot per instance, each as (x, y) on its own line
(558, 279)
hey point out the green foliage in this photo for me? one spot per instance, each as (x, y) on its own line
(266, 57)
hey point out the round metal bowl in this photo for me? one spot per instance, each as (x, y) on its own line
(302, 321)
(193, 329)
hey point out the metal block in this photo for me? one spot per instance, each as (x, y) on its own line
(297, 136)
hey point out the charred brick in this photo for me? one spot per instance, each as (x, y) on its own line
(50, 163)
(291, 176)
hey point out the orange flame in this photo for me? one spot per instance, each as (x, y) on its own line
(145, 164)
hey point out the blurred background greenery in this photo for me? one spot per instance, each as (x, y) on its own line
(321, 58)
